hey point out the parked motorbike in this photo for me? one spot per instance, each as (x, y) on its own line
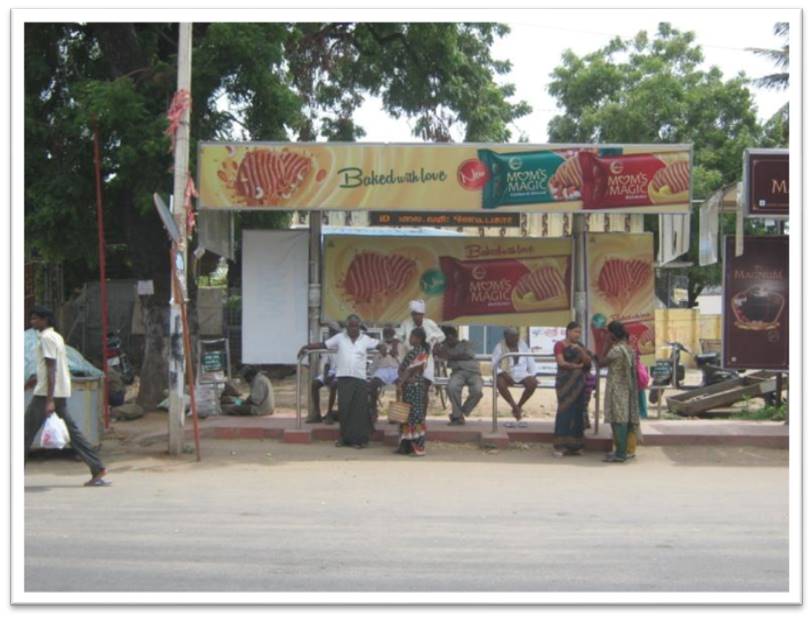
(662, 371)
(117, 358)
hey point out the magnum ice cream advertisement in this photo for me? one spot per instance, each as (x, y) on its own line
(620, 286)
(756, 304)
(437, 177)
(463, 280)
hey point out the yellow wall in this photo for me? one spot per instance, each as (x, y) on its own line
(686, 326)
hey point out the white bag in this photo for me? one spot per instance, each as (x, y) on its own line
(53, 434)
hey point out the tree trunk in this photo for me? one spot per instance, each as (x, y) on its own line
(155, 368)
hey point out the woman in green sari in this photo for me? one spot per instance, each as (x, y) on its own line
(621, 404)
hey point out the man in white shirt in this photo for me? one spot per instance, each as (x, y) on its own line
(384, 369)
(434, 334)
(350, 349)
(52, 388)
(513, 371)
(326, 377)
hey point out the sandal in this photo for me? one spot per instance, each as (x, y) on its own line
(510, 424)
(614, 459)
(521, 424)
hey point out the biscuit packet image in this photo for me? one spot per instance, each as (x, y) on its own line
(519, 177)
(504, 286)
(620, 181)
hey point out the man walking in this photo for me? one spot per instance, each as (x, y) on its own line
(465, 371)
(52, 387)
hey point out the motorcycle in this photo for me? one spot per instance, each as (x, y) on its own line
(117, 358)
(662, 372)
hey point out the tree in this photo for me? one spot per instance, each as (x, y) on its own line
(280, 82)
(780, 58)
(654, 90)
(777, 127)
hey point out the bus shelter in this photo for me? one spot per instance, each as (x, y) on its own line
(295, 281)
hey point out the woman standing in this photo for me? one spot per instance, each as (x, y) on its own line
(411, 378)
(570, 388)
(621, 401)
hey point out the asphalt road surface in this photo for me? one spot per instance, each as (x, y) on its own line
(265, 516)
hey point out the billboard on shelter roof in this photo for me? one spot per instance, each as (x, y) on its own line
(438, 177)
(756, 304)
(620, 286)
(464, 280)
(766, 182)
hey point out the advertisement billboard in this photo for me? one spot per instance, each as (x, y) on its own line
(756, 304)
(766, 183)
(462, 280)
(620, 286)
(444, 177)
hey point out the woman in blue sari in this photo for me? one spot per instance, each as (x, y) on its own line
(574, 361)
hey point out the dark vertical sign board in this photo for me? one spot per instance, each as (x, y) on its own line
(766, 183)
(756, 304)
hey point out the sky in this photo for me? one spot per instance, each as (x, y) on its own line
(538, 38)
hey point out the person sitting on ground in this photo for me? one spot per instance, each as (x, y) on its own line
(465, 371)
(384, 370)
(115, 388)
(327, 377)
(260, 401)
(513, 371)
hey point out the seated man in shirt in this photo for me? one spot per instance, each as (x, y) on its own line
(465, 371)
(513, 371)
(259, 402)
(327, 377)
(384, 370)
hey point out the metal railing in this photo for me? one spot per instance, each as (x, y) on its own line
(299, 382)
(495, 368)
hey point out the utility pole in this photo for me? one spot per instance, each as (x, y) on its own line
(314, 290)
(177, 365)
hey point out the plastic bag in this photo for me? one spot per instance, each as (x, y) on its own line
(53, 434)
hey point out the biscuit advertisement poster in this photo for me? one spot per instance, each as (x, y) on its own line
(440, 177)
(462, 280)
(620, 286)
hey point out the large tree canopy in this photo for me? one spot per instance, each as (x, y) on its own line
(654, 90)
(261, 81)
(281, 82)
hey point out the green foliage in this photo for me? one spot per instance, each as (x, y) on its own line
(764, 413)
(280, 82)
(654, 90)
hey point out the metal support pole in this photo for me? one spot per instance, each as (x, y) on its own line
(597, 399)
(314, 290)
(579, 270)
(176, 400)
(299, 384)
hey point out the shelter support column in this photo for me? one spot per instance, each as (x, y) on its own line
(314, 291)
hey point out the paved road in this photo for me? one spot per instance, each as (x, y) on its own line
(265, 516)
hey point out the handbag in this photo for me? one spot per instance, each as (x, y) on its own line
(643, 376)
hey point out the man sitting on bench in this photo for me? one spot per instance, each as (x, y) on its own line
(384, 370)
(514, 371)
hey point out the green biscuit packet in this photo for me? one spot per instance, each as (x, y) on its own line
(519, 177)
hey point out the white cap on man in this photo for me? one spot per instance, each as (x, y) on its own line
(417, 306)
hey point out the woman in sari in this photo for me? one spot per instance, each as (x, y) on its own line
(411, 378)
(621, 400)
(570, 388)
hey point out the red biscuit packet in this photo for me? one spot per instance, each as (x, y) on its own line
(479, 287)
(617, 181)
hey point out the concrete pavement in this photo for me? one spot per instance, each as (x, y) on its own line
(259, 515)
